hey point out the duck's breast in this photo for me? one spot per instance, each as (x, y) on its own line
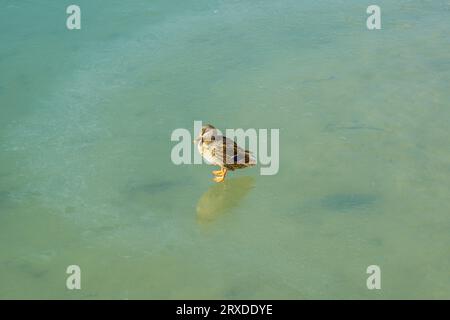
(207, 153)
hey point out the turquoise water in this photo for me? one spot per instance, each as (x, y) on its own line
(85, 170)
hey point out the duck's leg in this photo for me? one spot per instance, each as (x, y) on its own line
(218, 172)
(220, 177)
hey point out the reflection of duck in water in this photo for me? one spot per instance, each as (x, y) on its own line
(222, 197)
(220, 151)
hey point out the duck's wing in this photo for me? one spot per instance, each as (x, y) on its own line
(230, 155)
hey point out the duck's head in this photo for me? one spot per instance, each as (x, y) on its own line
(207, 134)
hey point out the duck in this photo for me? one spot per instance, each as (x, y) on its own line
(218, 150)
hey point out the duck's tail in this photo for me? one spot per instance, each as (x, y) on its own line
(249, 161)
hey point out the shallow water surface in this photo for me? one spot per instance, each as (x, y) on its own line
(85, 171)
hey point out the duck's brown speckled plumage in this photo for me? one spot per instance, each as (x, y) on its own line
(219, 150)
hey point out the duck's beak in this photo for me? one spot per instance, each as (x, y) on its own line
(196, 140)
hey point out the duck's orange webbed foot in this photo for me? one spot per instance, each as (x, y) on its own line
(219, 179)
(220, 175)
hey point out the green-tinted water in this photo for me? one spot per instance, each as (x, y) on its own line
(85, 170)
